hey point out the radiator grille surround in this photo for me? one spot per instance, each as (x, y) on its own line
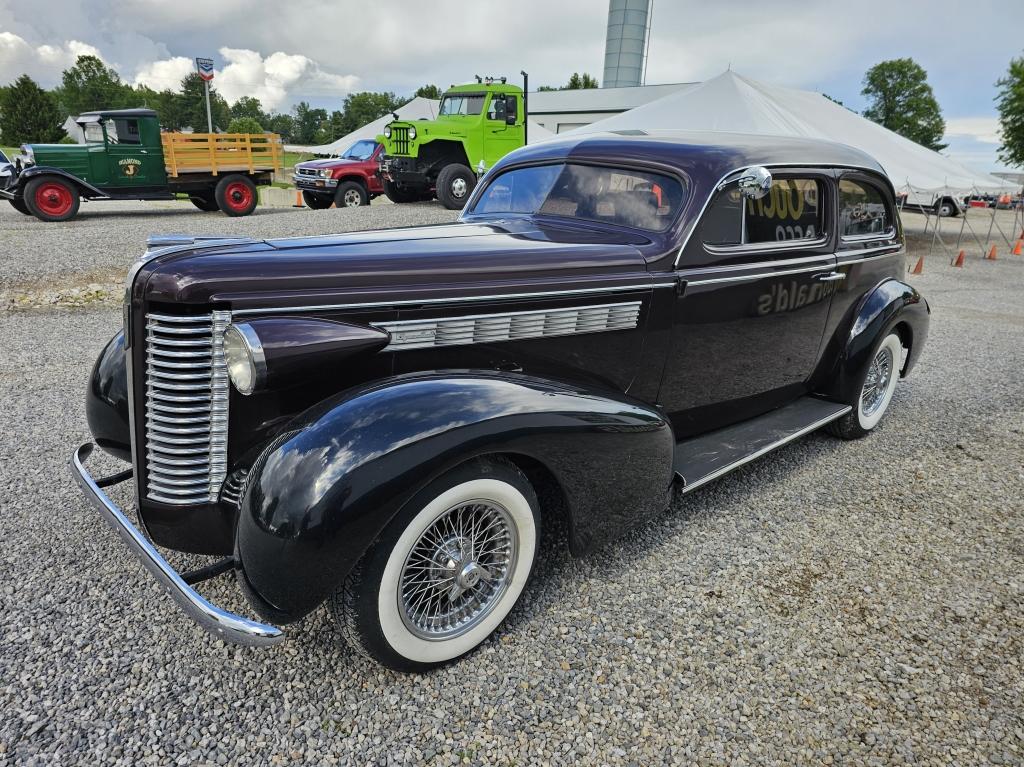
(186, 412)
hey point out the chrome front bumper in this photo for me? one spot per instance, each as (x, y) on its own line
(220, 623)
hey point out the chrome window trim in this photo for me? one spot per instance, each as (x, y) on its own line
(888, 234)
(757, 276)
(450, 299)
(893, 250)
(767, 247)
(760, 264)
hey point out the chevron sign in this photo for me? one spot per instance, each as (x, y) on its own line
(205, 67)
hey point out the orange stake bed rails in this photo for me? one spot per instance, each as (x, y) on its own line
(221, 152)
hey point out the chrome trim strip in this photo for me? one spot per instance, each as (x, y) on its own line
(758, 276)
(219, 407)
(888, 250)
(220, 623)
(841, 260)
(764, 450)
(761, 264)
(453, 299)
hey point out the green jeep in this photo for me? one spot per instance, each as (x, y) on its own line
(126, 157)
(476, 125)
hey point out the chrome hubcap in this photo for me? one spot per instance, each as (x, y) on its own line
(877, 383)
(352, 199)
(459, 187)
(458, 570)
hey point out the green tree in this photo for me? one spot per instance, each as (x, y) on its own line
(193, 105)
(282, 125)
(28, 114)
(1010, 104)
(580, 82)
(428, 92)
(250, 106)
(244, 125)
(307, 123)
(901, 99)
(362, 108)
(90, 84)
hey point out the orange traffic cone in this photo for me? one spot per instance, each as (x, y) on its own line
(919, 266)
(1018, 249)
(298, 200)
(992, 254)
(959, 262)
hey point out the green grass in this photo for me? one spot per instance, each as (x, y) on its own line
(10, 151)
(292, 158)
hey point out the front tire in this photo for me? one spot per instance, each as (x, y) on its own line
(875, 392)
(400, 194)
(236, 195)
(454, 184)
(317, 201)
(351, 195)
(51, 198)
(446, 571)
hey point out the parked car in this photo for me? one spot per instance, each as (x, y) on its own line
(384, 421)
(126, 157)
(348, 181)
(7, 171)
(945, 206)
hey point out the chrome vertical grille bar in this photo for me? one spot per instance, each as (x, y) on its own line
(186, 412)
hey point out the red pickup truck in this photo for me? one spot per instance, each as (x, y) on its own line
(347, 181)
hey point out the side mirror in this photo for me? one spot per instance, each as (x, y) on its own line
(755, 182)
(511, 113)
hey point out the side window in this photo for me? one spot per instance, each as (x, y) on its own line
(862, 209)
(496, 110)
(792, 210)
(121, 131)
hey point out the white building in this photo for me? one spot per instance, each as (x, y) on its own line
(559, 111)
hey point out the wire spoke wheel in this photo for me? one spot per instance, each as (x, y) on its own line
(458, 570)
(876, 385)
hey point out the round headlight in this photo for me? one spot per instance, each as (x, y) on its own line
(412, 131)
(387, 131)
(243, 352)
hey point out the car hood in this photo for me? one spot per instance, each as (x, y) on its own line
(328, 162)
(387, 265)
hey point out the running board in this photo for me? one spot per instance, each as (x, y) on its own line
(707, 457)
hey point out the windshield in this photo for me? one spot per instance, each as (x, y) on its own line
(361, 150)
(462, 104)
(633, 198)
(3, 157)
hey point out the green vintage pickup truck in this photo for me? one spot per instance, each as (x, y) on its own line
(126, 157)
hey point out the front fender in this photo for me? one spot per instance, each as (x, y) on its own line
(84, 188)
(325, 489)
(889, 304)
(106, 400)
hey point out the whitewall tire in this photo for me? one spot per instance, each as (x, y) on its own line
(875, 392)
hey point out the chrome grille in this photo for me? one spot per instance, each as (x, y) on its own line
(510, 326)
(307, 171)
(186, 407)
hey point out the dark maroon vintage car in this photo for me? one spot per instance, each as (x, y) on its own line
(382, 421)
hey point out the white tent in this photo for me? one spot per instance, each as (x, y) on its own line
(417, 109)
(731, 102)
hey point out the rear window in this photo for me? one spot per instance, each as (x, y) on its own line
(633, 198)
(862, 209)
(792, 210)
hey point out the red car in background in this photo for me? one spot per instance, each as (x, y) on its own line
(348, 181)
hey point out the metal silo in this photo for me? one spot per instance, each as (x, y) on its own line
(625, 47)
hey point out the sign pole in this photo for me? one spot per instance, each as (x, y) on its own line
(209, 114)
(205, 69)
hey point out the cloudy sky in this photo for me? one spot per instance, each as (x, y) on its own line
(319, 50)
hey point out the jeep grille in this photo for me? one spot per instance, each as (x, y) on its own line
(186, 407)
(400, 139)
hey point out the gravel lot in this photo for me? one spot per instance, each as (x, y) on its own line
(848, 603)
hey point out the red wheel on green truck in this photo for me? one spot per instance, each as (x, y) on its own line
(236, 195)
(51, 198)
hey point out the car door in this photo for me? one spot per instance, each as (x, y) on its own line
(756, 278)
(128, 158)
(501, 138)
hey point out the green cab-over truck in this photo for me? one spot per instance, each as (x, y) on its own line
(126, 157)
(476, 125)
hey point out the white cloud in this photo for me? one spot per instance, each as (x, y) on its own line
(41, 62)
(164, 74)
(272, 79)
(983, 129)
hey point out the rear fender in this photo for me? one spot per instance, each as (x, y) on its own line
(322, 492)
(890, 304)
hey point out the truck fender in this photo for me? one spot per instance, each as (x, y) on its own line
(890, 304)
(321, 493)
(84, 188)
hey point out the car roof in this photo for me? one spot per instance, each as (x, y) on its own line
(115, 113)
(709, 152)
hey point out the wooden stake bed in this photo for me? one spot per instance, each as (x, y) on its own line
(221, 153)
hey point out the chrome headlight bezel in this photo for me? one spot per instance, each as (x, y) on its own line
(387, 131)
(412, 132)
(244, 357)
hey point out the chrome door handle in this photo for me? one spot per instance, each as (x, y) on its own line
(828, 276)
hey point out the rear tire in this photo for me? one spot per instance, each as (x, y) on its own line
(51, 198)
(20, 206)
(317, 201)
(206, 202)
(399, 194)
(236, 195)
(454, 184)
(351, 195)
(446, 571)
(875, 391)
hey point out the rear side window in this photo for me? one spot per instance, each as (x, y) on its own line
(862, 209)
(793, 210)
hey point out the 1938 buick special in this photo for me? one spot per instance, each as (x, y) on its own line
(383, 420)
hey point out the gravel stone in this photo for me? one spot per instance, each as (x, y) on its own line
(832, 603)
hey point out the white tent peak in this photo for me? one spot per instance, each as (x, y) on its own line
(418, 109)
(731, 102)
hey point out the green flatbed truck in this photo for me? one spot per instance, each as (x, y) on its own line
(476, 125)
(126, 157)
